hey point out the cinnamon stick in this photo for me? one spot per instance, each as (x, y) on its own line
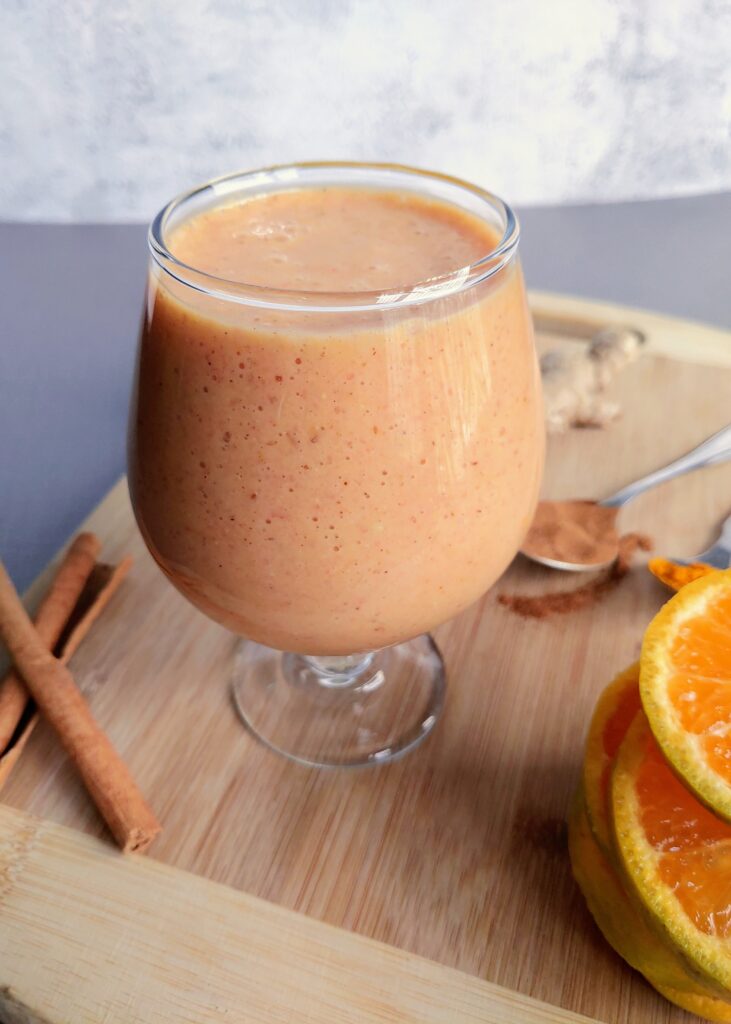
(105, 775)
(52, 615)
(98, 589)
(101, 585)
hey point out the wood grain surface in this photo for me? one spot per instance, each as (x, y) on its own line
(128, 941)
(457, 853)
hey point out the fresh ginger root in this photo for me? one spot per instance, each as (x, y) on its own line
(575, 382)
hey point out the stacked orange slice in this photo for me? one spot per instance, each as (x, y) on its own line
(650, 838)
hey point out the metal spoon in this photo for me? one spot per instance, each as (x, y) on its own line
(719, 554)
(713, 450)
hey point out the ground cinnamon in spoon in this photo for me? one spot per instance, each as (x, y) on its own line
(578, 532)
(540, 606)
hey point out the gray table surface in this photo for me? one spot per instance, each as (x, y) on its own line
(70, 305)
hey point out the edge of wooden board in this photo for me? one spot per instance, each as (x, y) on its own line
(74, 913)
(89, 934)
(686, 340)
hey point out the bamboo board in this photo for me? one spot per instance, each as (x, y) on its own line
(456, 854)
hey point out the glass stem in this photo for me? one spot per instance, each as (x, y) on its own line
(339, 670)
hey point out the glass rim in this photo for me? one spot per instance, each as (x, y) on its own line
(293, 300)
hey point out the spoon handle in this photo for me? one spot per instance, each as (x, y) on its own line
(716, 448)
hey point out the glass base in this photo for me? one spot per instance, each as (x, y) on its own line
(346, 711)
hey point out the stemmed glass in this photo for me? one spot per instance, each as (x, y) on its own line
(332, 474)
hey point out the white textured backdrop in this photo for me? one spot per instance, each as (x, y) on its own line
(108, 107)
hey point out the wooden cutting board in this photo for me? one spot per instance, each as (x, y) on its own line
(456, 855)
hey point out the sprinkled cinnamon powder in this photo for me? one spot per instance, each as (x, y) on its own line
(540, 606)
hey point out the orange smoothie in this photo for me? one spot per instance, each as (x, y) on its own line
(348, 474)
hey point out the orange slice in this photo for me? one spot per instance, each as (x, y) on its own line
(675, 575)
(685, 685)
(613, 714)
(626, 930)
(675, 852)
(708, 1006)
